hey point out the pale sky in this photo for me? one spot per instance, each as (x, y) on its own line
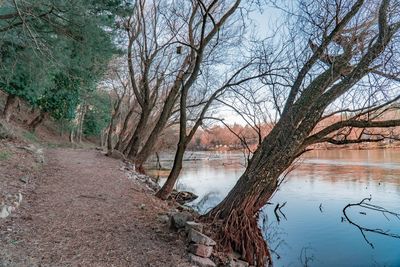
(264, 22)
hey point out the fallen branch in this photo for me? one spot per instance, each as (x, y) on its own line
(363, 229)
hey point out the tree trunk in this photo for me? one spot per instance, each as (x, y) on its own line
(80, 124)
(71, 136)
(37, 121)
(109, 138)
(168, 186)
(238, 212)
(237, 216)
(151, 141)
(111, 128)
(133, 145)
(120, 143)
(9, 106)
(159, 166)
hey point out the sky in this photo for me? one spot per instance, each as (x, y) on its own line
(264, 21)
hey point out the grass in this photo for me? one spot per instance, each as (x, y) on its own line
(30, 136)
(5, 155)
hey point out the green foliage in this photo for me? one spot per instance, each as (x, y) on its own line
(98, 115)
(54, 52)
(4, 155)
(21, 72)
(61, 99)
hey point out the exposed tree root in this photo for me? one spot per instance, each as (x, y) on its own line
(239, 232)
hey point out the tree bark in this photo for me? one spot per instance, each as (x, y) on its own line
(238, 212)
(80, 123)
(120, 143)
(11, 99)
(111, 126)
(71, 136)
(168, 186)
(109, 138)
(134, 143)
(151, 141)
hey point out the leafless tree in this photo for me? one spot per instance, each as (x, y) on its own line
(341, 59)
(119, 91)
(168, 49)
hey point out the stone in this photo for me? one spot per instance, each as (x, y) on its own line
(24, 179)
(238, 263)
(179, 219)
(193, 225)
(142, 206)
(199, 238)
(5, 212)
(200, 261)
(39, 156)
(163, 219)
(37, 152)
(201, 250)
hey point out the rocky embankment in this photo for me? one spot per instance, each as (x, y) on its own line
(19, 167)
(184, 220)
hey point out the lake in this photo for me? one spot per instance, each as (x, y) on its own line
(312, 229)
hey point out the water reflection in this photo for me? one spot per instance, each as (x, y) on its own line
(316, 192)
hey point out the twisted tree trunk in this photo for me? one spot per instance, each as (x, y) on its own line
(237, 214)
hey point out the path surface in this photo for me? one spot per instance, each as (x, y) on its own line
(86, 212)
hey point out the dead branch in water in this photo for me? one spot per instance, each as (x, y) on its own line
(278, 208)
(369, 206)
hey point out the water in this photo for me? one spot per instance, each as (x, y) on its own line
(324, 182)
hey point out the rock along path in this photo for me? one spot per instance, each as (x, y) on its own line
(86, 212)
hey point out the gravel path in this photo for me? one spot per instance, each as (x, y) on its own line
(86, 212)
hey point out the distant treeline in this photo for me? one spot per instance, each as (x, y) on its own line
(225, 137)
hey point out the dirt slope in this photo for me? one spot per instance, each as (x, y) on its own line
(86, 212)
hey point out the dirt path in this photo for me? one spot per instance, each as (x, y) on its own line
(86, 212)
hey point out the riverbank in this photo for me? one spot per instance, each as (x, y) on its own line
(82, 210)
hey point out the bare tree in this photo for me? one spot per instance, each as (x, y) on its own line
(120, 89)
(343, 52)
(186, 132)
(167, 48)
